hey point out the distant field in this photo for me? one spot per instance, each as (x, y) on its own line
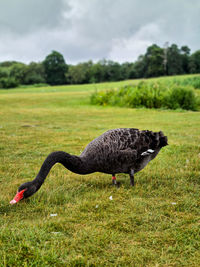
(156, 223)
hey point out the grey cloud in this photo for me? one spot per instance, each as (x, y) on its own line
(93, 29)
(25, 16)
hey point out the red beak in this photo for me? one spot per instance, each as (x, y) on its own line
(18, 197)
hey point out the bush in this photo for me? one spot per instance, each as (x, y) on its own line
(102, 98)
(192, 81)
(196, 82)
(183, 98)
(149, 95)
(8, 82)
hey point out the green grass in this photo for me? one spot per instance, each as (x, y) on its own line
(156, 223)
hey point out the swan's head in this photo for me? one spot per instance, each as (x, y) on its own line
(163, 139)
(25, 190)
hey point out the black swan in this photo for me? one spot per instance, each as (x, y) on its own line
(123, 150)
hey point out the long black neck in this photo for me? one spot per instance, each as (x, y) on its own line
(71, 162)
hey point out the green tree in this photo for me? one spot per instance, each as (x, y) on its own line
(174, 60)
(4, 73)
(6, 79)
(194, 62)
(185, 55)
(18, 71)
(139, 67)
(98, 72)
(80, 73)
(34, 73)
(128, 71)
(112, 71)
(55, 68)
(154, 61)
(8, 63)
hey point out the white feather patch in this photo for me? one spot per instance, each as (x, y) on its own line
(144, 153)
(148, 152)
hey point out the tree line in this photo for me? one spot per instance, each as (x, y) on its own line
(157, 61)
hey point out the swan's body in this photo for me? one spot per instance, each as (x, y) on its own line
(123, 150)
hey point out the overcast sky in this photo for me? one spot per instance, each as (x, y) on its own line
(119, 30)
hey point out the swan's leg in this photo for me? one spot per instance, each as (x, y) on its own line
(114, 181)
(132, 177)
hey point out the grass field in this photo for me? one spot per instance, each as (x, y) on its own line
(156, 223)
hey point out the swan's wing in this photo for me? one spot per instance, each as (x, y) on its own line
(122, 139)
(112, 141)
(127, 139)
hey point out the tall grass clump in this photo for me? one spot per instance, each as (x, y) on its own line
(189, 81)
(149, 95)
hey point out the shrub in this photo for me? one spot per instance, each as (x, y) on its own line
(183, 98)
(149, 95)
(196, 83)
(102, 98)
(192, 81)
(8, 82)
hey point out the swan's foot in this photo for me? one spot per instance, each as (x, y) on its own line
(114, 181)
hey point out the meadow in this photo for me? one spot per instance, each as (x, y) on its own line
(71, 220)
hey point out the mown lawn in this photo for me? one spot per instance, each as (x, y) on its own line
(156, 223)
